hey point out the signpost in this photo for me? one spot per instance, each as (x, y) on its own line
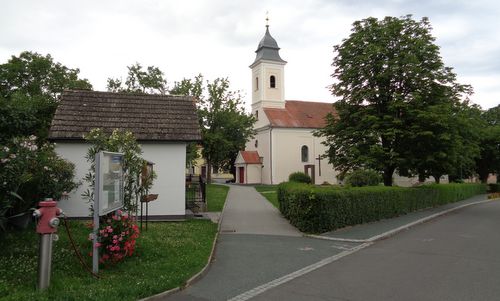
(108, 193)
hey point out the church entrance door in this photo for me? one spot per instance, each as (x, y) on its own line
(309, 169)
(242, 174)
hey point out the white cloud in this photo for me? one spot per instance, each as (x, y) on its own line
(219, 37)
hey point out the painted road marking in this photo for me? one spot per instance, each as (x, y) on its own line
(276, 282)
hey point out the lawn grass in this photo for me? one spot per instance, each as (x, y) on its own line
(216, 197)
(168, 254)
(270, 193)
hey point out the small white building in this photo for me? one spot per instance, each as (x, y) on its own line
(248, 168)
(162, 124)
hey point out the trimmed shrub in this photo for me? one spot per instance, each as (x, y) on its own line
(363, 177)
(319, 209)
(300, 177)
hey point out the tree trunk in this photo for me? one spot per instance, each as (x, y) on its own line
(484, 178)
(437, 178)
(483, 175)
(209, 171)
(421, 177)
(388, 172)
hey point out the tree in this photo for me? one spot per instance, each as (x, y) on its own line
(225, 127)
(385, 72)
(193, 88)
(30, 85)
(489, 159)
(442, 139)
(151, 80)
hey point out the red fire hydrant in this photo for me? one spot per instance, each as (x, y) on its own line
(48, 221)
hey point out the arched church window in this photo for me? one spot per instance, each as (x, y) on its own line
(256, 143)
(304, 153)
(256, 83)
(272, 81)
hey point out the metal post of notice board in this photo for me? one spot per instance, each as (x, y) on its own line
(97, 185)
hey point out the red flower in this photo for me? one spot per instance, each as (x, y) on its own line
(116, 247)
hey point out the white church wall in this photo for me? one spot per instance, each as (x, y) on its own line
(276, 92)
(287, 144)
(256, 85)
(328, 173)
(262, 120)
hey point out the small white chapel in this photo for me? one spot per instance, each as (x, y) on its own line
(284, 141)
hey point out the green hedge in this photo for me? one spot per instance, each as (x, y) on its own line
(495, 187)
(319, 209)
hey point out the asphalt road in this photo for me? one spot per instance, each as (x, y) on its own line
(245, 261)
(454, 257)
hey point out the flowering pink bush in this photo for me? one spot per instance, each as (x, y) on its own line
(29, 173)
(117, 237)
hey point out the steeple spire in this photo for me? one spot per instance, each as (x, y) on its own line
(268, 48)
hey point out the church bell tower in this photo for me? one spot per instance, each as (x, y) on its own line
(268, 75)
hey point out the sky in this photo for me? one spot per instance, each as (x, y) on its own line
(218, 38)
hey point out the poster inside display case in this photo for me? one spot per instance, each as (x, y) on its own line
(109, 182)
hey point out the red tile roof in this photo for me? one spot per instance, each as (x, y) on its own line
(250, 157)
(300, 114)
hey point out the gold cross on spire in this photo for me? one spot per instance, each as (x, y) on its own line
(267, 18)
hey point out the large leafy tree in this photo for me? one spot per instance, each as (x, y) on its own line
(489, 159)
(30, 85)
(441, 139)
(138, 80)
(224, 124)
(387, 73)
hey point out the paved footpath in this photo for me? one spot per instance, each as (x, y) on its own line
(259, 252)
(248, 212)
(256, 246)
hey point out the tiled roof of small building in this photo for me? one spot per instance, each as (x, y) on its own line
(149, 117)
(250, 157)
(300, 114)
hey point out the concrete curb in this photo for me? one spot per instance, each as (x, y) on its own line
(401, 228)
(201, 273)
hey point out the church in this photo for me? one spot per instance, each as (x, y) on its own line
(284, 141)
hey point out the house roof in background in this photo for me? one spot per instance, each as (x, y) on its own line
(300, 114)
(250, 157)
(149, 117)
